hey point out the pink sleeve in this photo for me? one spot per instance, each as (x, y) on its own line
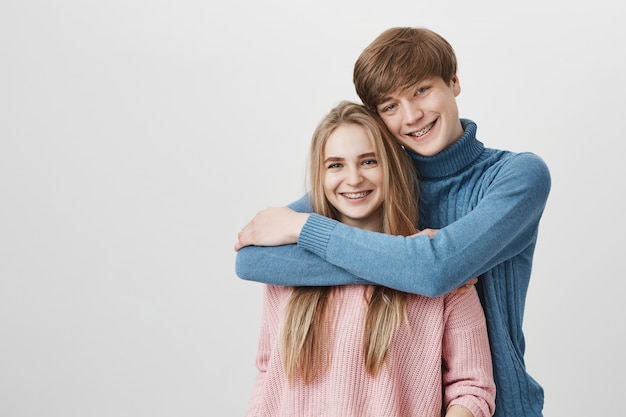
(466, 357)
(269, 323)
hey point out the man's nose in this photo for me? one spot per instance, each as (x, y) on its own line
(412, 113)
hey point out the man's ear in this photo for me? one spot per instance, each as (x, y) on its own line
(456, 85)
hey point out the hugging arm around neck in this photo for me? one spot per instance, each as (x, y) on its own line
(290, 265)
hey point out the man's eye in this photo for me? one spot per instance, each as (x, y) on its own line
(388, 108)
(421, 90)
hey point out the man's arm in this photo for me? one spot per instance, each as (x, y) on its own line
(503, 224)
(290, 265)
(286, 264)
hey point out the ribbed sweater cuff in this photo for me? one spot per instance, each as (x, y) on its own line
(315, 234)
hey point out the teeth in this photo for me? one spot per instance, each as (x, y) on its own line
(356, 195)
(423, 131)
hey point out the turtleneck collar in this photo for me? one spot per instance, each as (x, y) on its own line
(452, 159)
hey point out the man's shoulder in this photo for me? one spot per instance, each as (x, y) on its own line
(516, 160)
(526, 167)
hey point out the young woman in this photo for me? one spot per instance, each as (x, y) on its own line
(365, 350)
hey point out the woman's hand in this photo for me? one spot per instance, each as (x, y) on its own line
(458, 411)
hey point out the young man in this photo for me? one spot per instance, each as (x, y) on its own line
(480, 207)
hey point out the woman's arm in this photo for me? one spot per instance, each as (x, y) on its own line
(263, 354)
(467, 371)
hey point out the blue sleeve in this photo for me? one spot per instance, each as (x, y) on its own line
(290, 264)
(502, 225)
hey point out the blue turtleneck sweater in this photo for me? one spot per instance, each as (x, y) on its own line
(487, 204)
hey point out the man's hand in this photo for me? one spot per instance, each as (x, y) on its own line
(429, 232)
(273, 226)
(465, 288)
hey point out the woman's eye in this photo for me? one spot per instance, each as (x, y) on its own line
(370, 162)
(334, 166)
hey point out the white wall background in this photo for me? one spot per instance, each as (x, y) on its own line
(137, 137)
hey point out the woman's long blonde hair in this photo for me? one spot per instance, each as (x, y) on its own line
(308, 320)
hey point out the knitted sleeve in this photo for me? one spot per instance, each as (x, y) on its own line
(290, 265)
(502, 224)
(467, 373)
(269, 322)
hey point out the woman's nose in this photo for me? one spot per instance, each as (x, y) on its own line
(354, 176)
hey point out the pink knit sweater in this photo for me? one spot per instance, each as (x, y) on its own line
(444, 345)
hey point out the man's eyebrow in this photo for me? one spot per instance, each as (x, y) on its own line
(384, 100)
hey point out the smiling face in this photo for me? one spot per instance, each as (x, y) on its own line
(353, 178)
(424, 118)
